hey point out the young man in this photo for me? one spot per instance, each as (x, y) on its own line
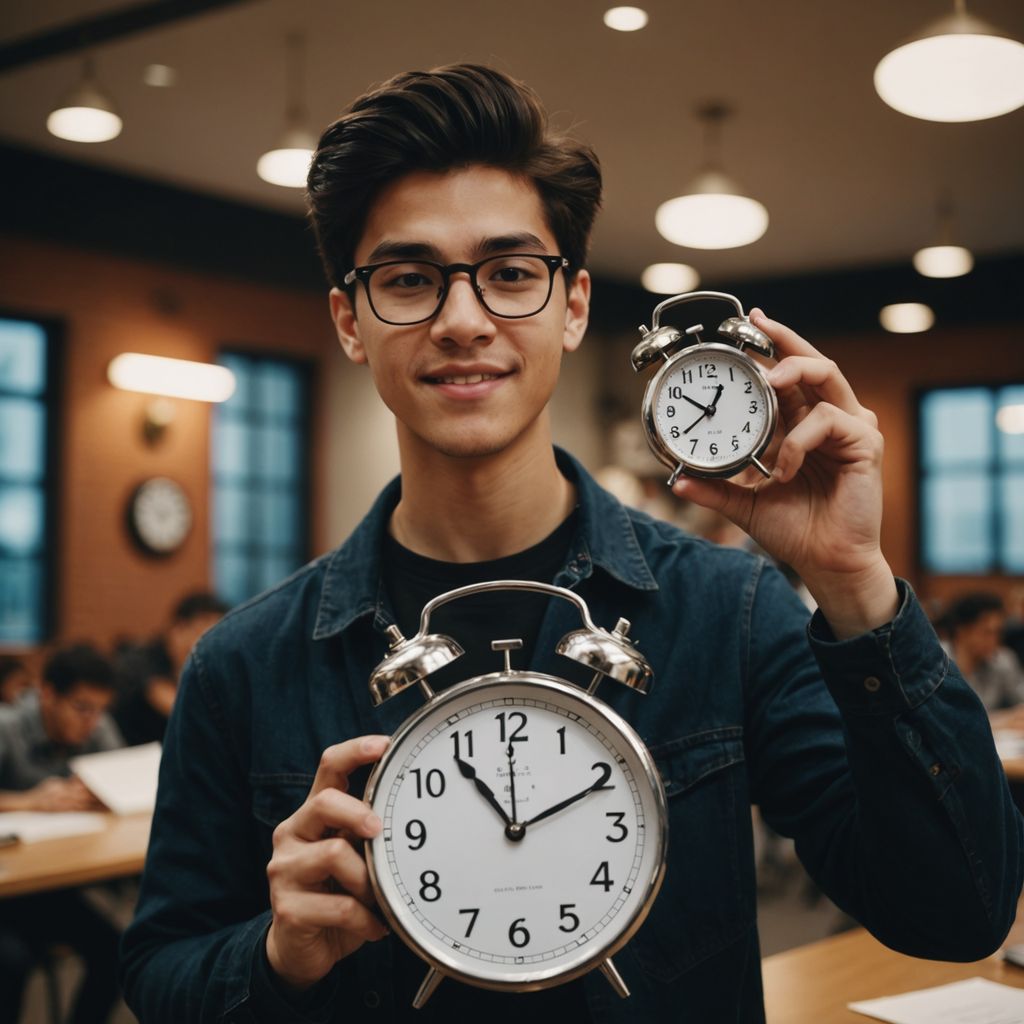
(444, 210)
(38, 736)
(148, 673)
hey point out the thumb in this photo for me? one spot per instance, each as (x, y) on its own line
(731, 500)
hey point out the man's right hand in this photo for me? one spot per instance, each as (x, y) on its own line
(319, 886)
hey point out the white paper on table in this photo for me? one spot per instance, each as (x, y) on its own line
(973, 1001)
(34, 826)
(124, 779)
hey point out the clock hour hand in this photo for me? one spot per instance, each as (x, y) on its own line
(469, 772)
(714, 401)
(606, 773)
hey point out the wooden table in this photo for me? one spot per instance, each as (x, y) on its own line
(812, 984)
(119, 850)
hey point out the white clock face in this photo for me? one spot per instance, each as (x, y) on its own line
(713, 408)
(161, 515)
(544, 898)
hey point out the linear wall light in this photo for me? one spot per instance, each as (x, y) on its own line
(172, 378)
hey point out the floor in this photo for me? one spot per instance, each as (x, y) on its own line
(790, 913)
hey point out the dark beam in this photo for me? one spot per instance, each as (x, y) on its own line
(102, 28)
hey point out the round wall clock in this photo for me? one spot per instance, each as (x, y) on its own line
(525, 823)
(159, 516)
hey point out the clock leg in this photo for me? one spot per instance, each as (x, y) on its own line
(609, 970)
(758, 465)
(430, 982)
(676, 473)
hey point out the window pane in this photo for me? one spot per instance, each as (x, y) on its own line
(281, 392)
(21, 600)
(957, 427)
(21, 520)
(232, 519)
(1012, 494)
(278, 524)
(22, 357)
(957, 523)
(278, 454)
(273, 569)
(230, 447)
(1010, 417)
(232, 574)
(22, 439)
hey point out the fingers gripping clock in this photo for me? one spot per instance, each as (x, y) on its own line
(709, 411)
(524, 823)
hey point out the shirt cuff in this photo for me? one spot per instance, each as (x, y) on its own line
(272, 1000)
(888, 670)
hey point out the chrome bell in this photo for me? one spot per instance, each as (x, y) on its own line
(743, 334)
(409, 662)
(608, 654)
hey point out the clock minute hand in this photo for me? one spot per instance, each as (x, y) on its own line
(694, 402)
(469, 772)
(605, 775)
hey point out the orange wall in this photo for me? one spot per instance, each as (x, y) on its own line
(109, 305)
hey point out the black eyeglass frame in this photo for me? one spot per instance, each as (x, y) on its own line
(364, 273)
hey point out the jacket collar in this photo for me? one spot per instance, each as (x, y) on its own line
(606, 540)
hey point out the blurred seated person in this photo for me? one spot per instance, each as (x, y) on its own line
(971, 628)
(45, 729)
(38, 736)
(15, 679)
(148, 673)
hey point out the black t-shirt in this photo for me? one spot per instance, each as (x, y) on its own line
(411, 581)
(137, 719)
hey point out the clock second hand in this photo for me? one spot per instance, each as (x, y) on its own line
(512, 780)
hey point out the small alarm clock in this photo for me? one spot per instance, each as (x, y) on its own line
(524, 822)
(709, 411)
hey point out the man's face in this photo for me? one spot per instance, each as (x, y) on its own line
(70, 718)
(981, 637)
(429, 374)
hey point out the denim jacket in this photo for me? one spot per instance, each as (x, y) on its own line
(872, 753)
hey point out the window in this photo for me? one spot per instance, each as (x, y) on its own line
(971, 460)
(26, 479)
(260, 479)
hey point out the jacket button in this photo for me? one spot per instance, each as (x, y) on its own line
(371, 999)
(936, 769)
(872, 683)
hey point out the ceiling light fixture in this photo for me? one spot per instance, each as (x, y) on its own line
(944, 259)
(1010, 419)
(907, 317)
(714, 213)
(670, 278)
(288, 163)
(958, 68)
(625, 19)
(160, 76)
(87, 114)
(172, 378)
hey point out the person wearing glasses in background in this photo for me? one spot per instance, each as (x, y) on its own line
(38, 737)
(454, 225)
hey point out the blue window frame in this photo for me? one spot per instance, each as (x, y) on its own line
(260, 455)
(27, 480)
(971, 464)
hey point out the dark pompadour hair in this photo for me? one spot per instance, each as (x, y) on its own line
(78, 663)
(441, 120)
(967, 609)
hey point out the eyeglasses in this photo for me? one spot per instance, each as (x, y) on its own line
(513, 286)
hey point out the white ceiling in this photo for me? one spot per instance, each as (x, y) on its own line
(848, 182)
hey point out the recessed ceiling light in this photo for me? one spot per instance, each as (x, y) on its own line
(670, 278)
(625, 19)
(906, 317)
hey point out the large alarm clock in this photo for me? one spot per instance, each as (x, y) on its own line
(524, 822)
(709, 411)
